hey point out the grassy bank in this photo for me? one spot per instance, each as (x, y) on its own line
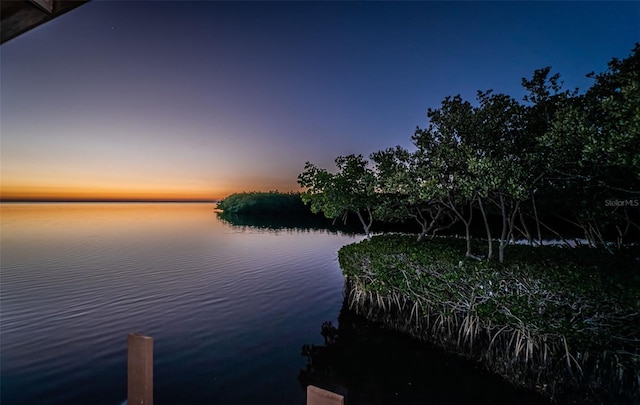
(564, 322)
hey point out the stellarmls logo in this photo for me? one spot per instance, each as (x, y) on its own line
(622, 203)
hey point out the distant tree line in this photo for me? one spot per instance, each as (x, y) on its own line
(556, 157)
(264, 203)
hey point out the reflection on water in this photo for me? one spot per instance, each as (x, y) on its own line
(370, 365)
(228, 307)
(299, 222)
(228, 302)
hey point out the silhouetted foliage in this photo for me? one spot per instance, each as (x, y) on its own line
(559, 161)
(561, 321)
(350, 190)
(265, 203)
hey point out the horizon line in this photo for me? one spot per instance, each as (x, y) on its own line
(103, 200)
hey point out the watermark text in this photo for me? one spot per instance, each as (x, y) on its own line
(622, 203)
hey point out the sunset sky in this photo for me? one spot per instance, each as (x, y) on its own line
(196, 100)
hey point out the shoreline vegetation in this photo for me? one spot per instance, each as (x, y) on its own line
(560, 322)
(273, 203)
(499, 177)
(275, 210)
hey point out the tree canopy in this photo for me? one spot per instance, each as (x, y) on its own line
(350, 190)
(556, 160)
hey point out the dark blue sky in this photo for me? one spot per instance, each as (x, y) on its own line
(200, 99)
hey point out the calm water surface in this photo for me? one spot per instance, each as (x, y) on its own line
(229, 307)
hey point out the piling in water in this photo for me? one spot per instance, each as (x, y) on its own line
(139, 369)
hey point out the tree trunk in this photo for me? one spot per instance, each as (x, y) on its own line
(524, 226)
(503, 235)
(488, 229)
(515, 208)
(420, 219)
(366, 225)
(467, 223)
(431, 225)
(468, 236)
(535, 213)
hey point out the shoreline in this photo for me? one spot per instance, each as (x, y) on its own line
(554, 363)
(505, 354)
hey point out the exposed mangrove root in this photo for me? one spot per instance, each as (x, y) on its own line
(544, 362)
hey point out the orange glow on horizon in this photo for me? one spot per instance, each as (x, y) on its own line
(148, 193)
(103, 195)
(71, 183)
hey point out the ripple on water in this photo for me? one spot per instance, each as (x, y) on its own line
(76, 280)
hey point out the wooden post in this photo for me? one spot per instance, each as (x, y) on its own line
(139, 369)
(318, 396)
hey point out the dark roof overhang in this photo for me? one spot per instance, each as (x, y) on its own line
(19, 16)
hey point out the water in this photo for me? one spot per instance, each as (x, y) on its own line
(229, 307)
